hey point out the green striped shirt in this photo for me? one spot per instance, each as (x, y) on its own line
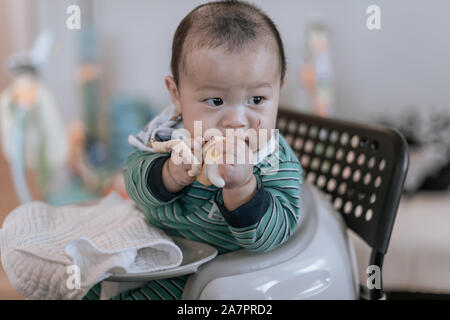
(197, 212)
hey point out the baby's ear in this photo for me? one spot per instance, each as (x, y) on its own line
(173, 91)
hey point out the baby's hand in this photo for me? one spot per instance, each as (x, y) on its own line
(175, 173)
(237, 169)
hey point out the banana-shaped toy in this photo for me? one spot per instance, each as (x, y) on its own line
(212, 156)
(180, 147)
(212, 152)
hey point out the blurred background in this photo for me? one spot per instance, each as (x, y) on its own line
(70, 97)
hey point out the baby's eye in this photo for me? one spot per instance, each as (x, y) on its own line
(214, 102)
(256, 100)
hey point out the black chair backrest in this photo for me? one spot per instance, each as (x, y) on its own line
(362, 168)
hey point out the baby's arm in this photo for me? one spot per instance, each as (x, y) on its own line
(143, 179)
(153, 179)
(270, 217)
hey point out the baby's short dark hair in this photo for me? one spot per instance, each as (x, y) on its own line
(230, 23)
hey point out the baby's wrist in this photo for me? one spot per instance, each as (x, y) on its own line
(169, 182)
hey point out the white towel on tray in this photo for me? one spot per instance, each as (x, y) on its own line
(45, 250)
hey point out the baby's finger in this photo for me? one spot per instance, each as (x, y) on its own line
(183, 172)
(196, 146)
(182, 154)
(194, 161)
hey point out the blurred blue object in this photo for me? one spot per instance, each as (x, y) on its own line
(75, 192)
(89, 50)
(97, 153)
(128, 116)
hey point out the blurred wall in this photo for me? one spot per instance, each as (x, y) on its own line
(404, 63)
(17, 25)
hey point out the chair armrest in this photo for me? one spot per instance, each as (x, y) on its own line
(245, 261)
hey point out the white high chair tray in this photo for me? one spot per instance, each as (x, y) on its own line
(194, 255)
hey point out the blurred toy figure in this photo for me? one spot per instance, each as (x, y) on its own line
(96, 179)
(317, 74)
(33, 134)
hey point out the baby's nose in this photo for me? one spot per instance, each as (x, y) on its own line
(235, 119)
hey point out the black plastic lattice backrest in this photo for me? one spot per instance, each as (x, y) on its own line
(362, 169)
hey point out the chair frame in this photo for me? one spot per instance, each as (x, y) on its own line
(374, 162)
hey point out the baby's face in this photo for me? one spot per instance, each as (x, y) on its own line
(229, 91)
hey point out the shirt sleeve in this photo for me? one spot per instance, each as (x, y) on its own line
(269, 218)
(249, 213)
(143, 179)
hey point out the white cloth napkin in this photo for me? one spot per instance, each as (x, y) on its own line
(61, 252)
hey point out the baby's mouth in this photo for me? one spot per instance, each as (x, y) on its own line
(242, 135)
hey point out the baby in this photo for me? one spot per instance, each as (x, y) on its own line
(228, 67)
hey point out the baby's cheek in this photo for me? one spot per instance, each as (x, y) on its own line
(263, 135)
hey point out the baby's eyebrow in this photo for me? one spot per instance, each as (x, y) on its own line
(252, 86)
(260, 85)
(208, 87)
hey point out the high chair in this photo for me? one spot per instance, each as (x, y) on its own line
(362, 170)
(354, 176)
